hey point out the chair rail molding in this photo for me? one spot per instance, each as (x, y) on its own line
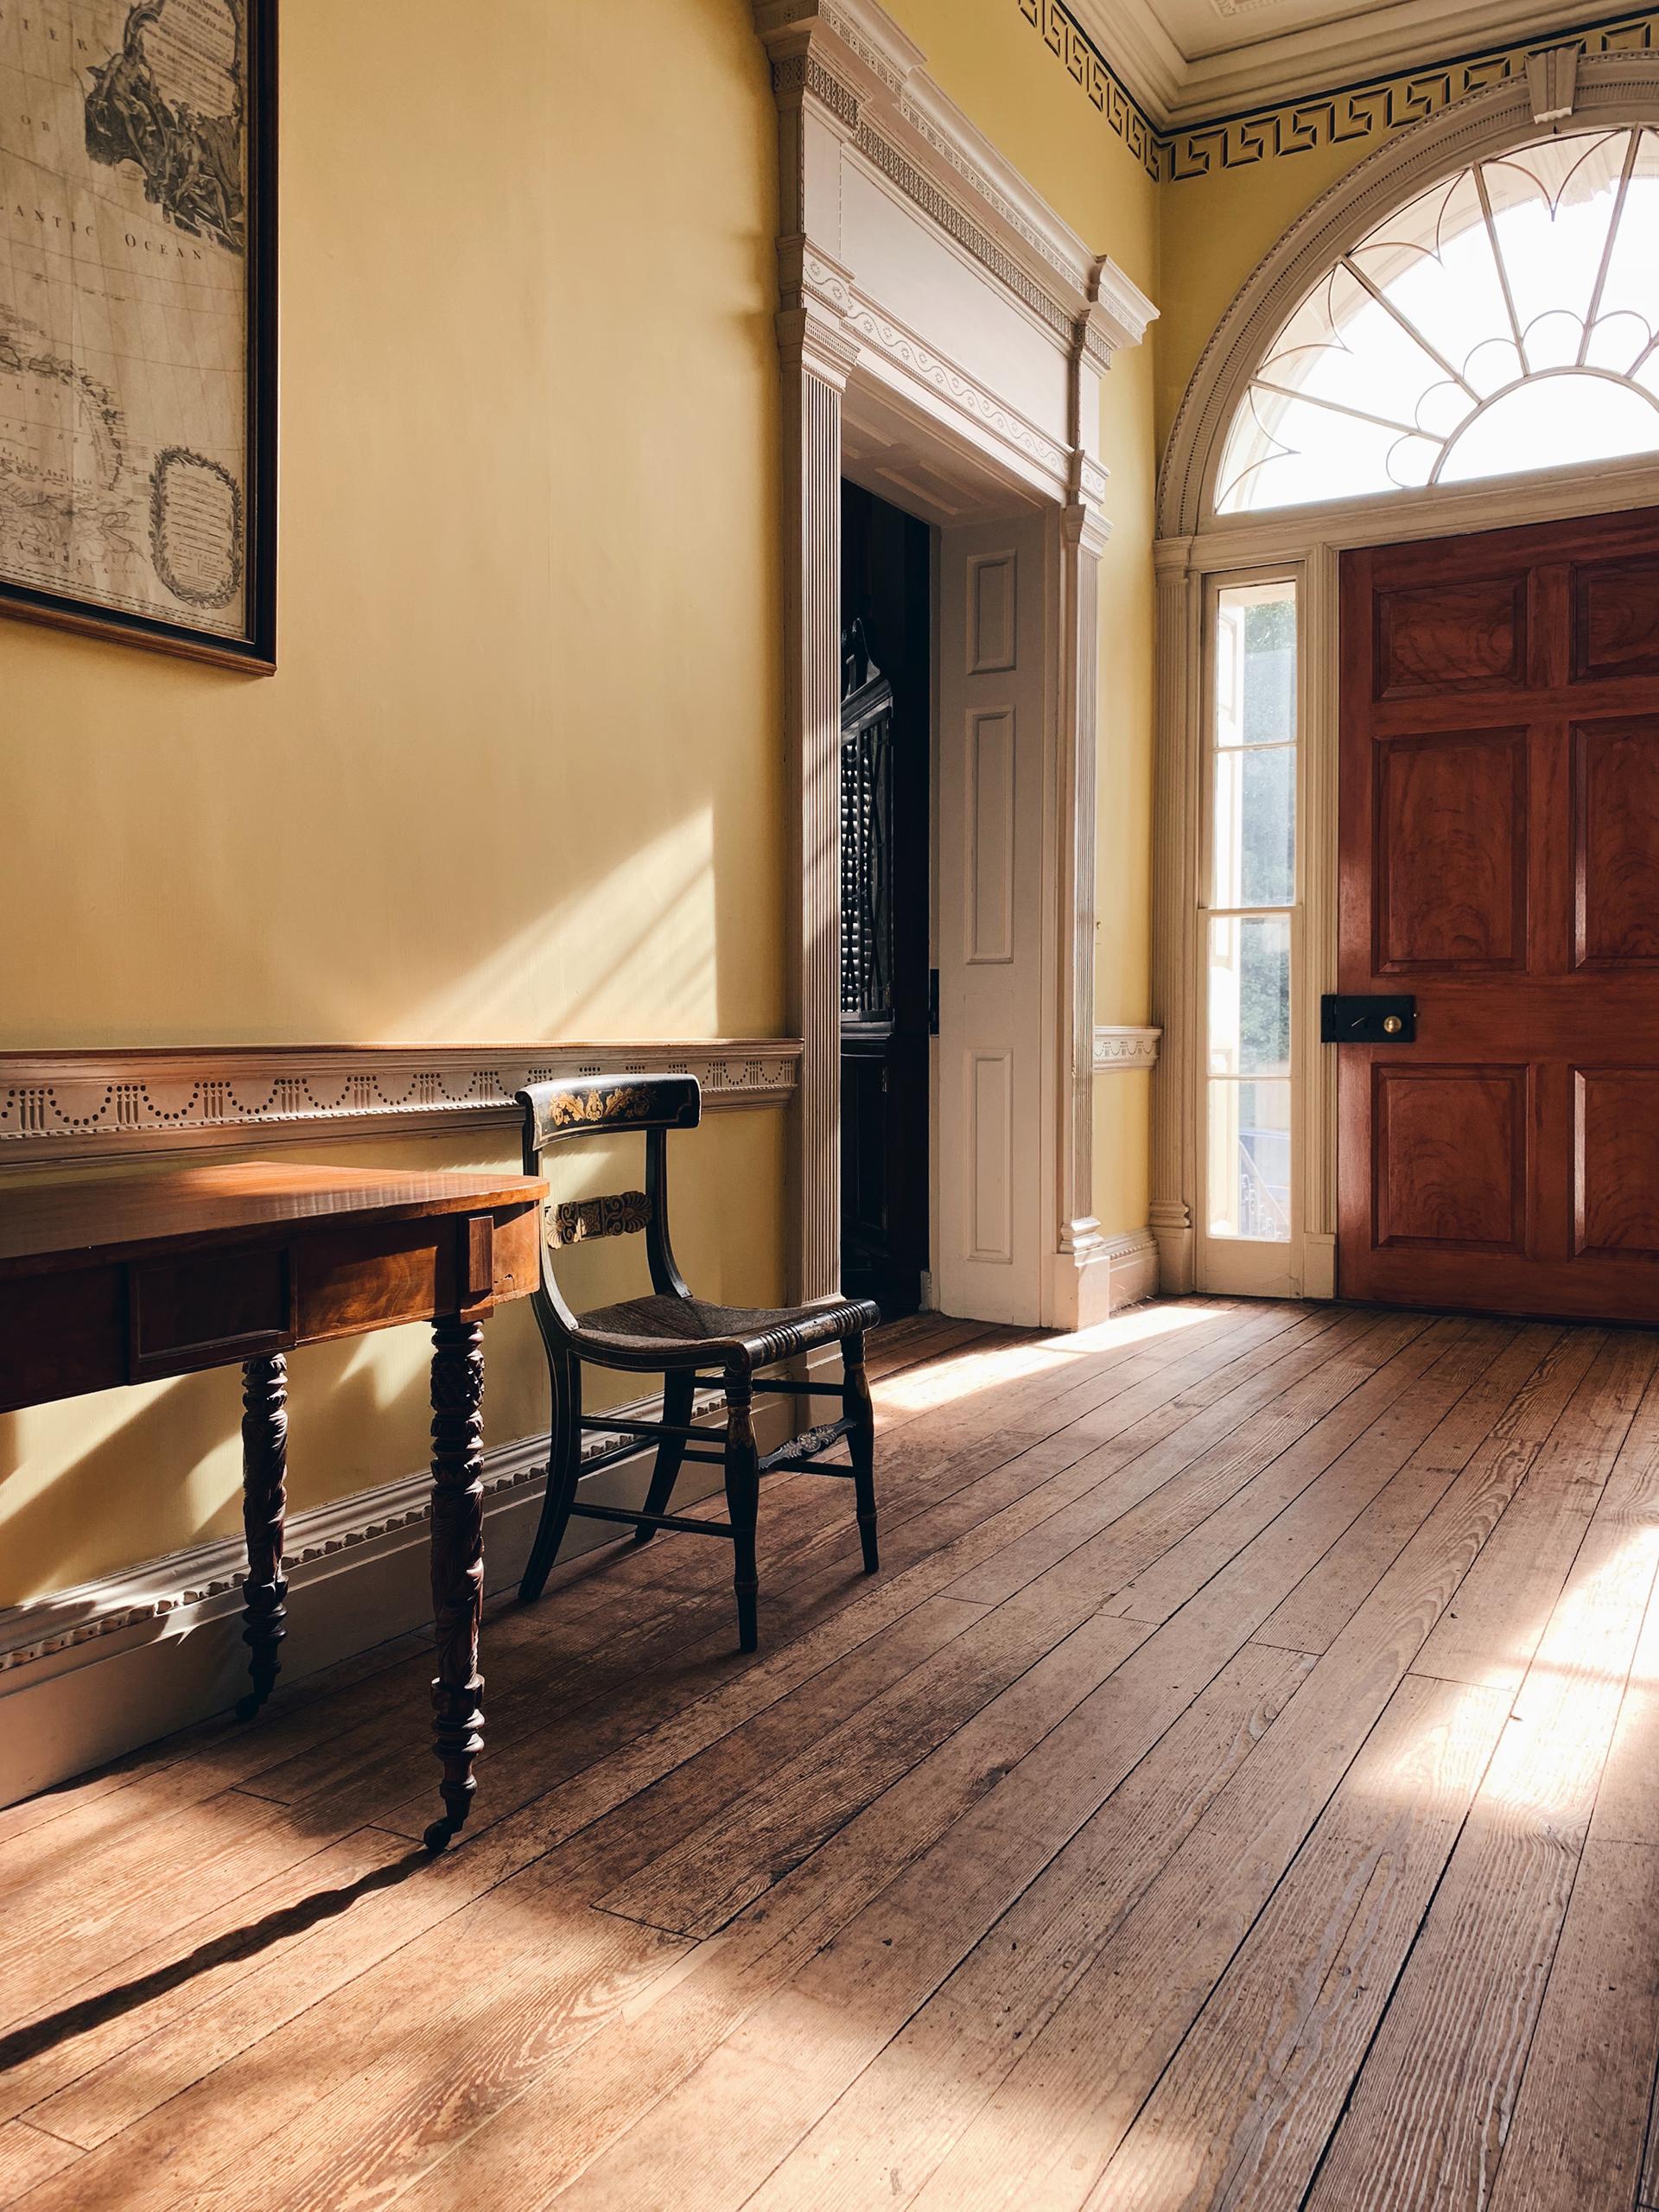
(1120, 1051)
(921, 277)
(65, 1108)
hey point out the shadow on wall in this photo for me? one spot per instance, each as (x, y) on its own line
(645, 936)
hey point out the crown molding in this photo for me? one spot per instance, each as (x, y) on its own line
(859, 66)
(69, 1108)
(1403, 36)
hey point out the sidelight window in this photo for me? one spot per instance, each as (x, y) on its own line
(1506, 319)
(1251, 911)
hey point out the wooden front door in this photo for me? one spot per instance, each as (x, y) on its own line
(1499, 863)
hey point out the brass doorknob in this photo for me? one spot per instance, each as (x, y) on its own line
(1392, 1024)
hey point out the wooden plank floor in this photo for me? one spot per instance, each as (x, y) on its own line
(1239, 1788)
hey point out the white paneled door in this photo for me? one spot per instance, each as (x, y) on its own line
(992, 709)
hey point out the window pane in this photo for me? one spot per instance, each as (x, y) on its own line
(1248, 1177)
(1250, 995)
(1255, 664)
(1254, 836)
(1537, 261)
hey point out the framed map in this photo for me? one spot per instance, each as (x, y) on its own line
(137, 324)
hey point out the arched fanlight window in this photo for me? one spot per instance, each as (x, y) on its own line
(1504, 321)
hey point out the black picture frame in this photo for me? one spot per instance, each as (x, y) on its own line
(256, 651)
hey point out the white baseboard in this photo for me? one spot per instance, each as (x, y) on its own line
(1091, 1286)
(1319, 1264)
(97, 1671)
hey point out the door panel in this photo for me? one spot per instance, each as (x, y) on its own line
(1615, 619)
(1450, 852)
(1499, 859)
(1616, 1136)
(1616, 860)
(1450, 1167)
(1457, 637)
(992, 704)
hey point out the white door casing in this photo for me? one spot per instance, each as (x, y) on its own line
(993, 716)
(920, 273)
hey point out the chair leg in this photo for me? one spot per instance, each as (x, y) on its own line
(563, 1470)
(678, 1391)
(860, 1443)
(742, 1503)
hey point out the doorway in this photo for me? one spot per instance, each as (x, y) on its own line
(1498, 876)
(885, 837)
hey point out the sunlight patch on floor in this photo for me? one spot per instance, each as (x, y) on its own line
(941, 1383)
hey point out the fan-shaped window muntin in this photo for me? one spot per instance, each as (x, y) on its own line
(1504, 320)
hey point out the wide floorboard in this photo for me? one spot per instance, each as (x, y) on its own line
(1238, 1789)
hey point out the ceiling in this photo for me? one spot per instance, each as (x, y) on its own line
(1187, 60)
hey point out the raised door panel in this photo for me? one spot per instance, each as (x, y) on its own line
(1615, 843)
(1616, 1143)
(1450, 863)
(1615, 619)
(1449, 1165)
(988, 1196)
(992, 613)
(989, 858)
(1451, 638)
(992, 717)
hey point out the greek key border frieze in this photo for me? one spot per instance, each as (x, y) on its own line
(1342, 120)
(69, 1107)
(1350, 115)
(1092, 74)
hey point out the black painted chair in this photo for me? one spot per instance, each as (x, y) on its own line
(685, 1340)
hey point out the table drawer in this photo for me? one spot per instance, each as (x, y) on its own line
(203, 1309)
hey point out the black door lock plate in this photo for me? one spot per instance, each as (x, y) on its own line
(1354, 1018)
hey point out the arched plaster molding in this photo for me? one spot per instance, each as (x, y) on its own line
(1614, 91)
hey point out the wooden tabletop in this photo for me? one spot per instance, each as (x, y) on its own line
(89, 1219)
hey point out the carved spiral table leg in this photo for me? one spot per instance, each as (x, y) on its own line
(457, 1564)
(743, 1505)
(264, 1504)
(861, 1447)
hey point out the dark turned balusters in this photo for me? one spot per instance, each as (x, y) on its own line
(264, 1505)
(457, 1564)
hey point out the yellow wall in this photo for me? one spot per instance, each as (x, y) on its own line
(1215, 229)
(518, 775)
(990, 61)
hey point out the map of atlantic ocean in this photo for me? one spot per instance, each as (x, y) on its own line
(124, 305)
